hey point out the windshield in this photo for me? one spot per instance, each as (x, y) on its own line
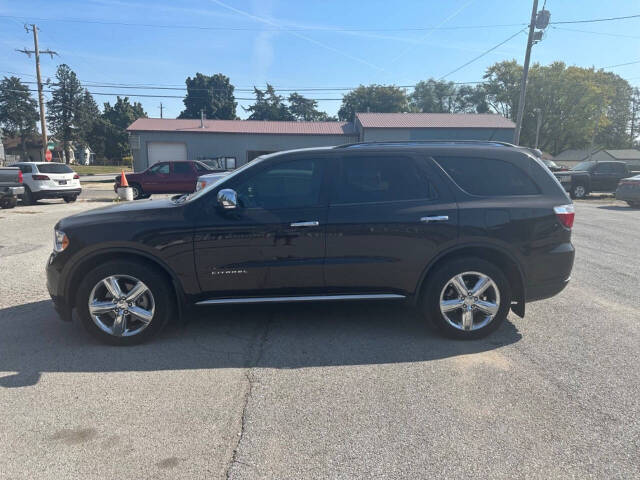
(582, 166)
(54, 168)
(550, 163)
(189, 197)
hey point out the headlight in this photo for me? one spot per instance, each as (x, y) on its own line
(60, 241)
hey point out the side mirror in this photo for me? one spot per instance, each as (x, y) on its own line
(228, 199)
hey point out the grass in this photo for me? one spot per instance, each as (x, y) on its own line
(98, 169)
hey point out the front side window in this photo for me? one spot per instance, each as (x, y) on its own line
(182, 168)
(160, 168)
(292, 184)
(604, 168)
(380, 179)
(488, 177)
(24, 168)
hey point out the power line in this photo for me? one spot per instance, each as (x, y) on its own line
(482, 54)
(622, 64)
(621, 35)
(594, 20)
(305, 29)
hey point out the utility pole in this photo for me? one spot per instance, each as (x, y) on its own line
(37, 52)
(160, 109)
(538, 125)
(525, 73)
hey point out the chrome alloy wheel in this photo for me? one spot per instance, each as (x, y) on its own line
(469, 301)
(121, 305)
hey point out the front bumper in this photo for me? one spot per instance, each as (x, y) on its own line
(53, 285)
(628, 193)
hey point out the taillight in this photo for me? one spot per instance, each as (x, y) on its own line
(20, 176)
(40, 177)
(76, 177)
(566, 214)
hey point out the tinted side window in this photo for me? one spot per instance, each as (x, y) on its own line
(25, 168)
(604, 168)
(160, 168)
(487, 176)
(182, 168)
(292, 184)
(380, 179)
(201, 168)
(620, 168)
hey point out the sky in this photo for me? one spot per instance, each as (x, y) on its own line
(302, 44)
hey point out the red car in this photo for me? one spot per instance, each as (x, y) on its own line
(165, 177)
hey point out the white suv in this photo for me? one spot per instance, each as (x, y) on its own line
(48, 180)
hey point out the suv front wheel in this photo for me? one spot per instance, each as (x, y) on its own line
(124, 303)
(467, 298)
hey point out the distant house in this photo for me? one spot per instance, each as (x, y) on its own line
(84, 155)
(572, 157)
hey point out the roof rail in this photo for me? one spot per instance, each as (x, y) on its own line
(426, 142)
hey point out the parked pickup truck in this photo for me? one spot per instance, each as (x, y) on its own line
(592, 176)
(10, 186)
(165, 177)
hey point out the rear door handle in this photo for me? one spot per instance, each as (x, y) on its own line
(436, 218)
(305, 224)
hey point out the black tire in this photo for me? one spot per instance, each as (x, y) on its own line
(27, 197)
(439, 279)
(138, 193)
(153, 278)
(579, 191)
(8, 202)
(70, 199)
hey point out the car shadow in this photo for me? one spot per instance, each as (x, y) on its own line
(287, 336)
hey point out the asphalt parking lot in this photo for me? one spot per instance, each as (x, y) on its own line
(336, 391)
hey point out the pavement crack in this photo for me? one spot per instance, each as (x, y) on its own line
(254, 361)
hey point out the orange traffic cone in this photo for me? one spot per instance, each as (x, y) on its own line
(123, 180)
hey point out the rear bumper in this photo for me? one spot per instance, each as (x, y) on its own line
(68, 192)
(11, 191)
(545, 290)
(550, 273)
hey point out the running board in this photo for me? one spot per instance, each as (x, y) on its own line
(310, 298)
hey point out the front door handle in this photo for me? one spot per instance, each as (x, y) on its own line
(436, 218)
(305, 224)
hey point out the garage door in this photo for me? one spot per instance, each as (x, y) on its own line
(166, 152)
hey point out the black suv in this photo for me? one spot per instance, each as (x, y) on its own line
(465, 230)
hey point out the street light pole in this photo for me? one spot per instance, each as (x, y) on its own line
(525, 74)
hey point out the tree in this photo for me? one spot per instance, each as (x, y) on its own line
(502, 87)
(373, 98)
(306, 109)
(116, 120)
(18, 113)
(213, 94)
(268, 106)
(63, 107)
(87, 115)
(436, 96)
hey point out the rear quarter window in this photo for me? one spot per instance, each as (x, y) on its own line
(488, 177)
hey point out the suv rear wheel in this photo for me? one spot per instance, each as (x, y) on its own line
(467, 298)
(137, 191)
(124, 303)
(27, 196)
